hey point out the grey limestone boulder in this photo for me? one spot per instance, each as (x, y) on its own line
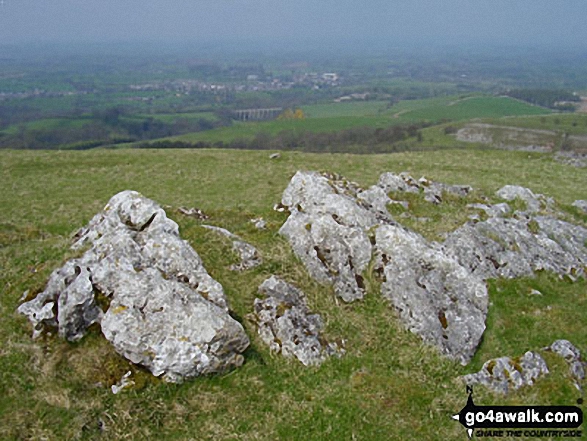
(504, 373)
(286, 324)
(581, 205)
(572, 356)
(328, 230)
(149, 291)
(436, 297)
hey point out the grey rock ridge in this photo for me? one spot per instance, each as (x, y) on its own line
(438, 289)
(572, 356)
(286, 324)
(510, 247)
(149, 291)
(330, 228)
(505, 373)
(436, 297)
(433, 191)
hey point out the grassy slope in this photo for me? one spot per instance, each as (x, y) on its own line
(340, 116)
(388, 386)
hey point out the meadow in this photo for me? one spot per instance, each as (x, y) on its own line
(388, 385)
(332, 117)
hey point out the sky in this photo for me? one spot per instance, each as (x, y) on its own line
(558, 23)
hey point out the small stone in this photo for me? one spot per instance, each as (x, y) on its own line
(503, 374)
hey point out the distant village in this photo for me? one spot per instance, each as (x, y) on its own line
(252, 84)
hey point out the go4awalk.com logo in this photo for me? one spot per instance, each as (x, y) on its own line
(520, 421)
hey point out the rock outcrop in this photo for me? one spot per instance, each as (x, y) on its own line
(572, 356)
(149, 291)
(328, 230)
(286, 324)
(436, 297)
(433, 191)
(534, 202)
(505, 373)
(510, 247)
(581, 205)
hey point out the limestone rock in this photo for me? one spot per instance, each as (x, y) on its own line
(509, 247)
(436, 298)
(286, 324)
(248, 254)
(581, 205)
(328, 230)
(193, 212)
(432, 190)
(534, 202)
(496, 210)
(572, 355)
(161, 308)
(504, 373)
(260, 223)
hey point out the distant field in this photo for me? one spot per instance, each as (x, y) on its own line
(474, 107)
(339, 116)
(389, 385)
(48, 124)
(352, 108)
(572, 123)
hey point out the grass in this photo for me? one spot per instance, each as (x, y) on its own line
(388, 385)
(340, 116)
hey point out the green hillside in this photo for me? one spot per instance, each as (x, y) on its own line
(388, 386)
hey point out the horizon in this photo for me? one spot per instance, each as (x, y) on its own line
(300, 25)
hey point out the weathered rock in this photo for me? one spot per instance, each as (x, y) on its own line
(260, 223)
(165, 312)
(436, 298)
(193, 212)
(581, 205)
(534, 202)
(248, 254)
(504, 373)
(572, 355)
(502, 247)
(327, 229)
(497, 210)
(286, 324)
(432, 190)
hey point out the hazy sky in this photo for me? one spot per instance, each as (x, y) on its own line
(554, 22)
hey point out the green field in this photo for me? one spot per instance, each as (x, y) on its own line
(340, 116)
(388, 386)
(48, 124)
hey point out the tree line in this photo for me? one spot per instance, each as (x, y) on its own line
(551, 98)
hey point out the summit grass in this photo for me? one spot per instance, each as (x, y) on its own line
(389, 385)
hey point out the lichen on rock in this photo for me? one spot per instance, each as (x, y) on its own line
(165, 312)
(287, 325)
